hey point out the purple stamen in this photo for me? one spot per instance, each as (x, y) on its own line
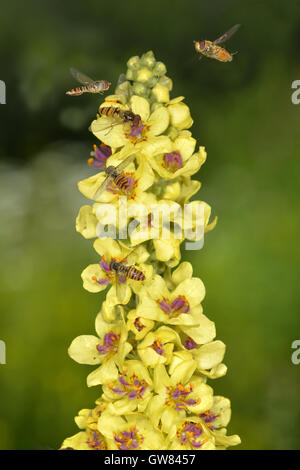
(100, 156)
(189, 344)
(177, 307)
(110, 344)
(173, 161)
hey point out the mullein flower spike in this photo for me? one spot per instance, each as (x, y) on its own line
(155, 349)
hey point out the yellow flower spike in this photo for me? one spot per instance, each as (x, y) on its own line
(154, 348)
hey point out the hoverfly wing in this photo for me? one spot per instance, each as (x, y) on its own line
(101, 188)
(227, 35)
(125, 162)
(80, 77)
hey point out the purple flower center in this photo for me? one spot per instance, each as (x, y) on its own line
(131, 386)
(96, 441)
(189, 344)
(137, 133)
(129, 440)
(209, 417)
(172, 161)
(158, 347)
(99, 156)
(103, 281)
(189, 433)
(138, 324)
(177, 397)
(177, 307)
(110, 344)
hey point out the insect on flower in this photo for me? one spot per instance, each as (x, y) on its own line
(89, 85)
(122, 116)
(116, 175)
(211, 48)
(125, 269)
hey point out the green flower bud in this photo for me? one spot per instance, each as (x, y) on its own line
(152, 82)
(131, 74)
(139, 89)
(143, 75)
(172, 132)
(159, 69)
(148, 59)
(134, 62)
(167, 82)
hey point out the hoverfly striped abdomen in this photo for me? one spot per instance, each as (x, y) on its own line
(110, 111)
(135, 274)
(118, 178)
(121, 114)
(130, 272)
(121, 182)
(76, 91)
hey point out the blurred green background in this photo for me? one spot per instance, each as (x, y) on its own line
(250, 264)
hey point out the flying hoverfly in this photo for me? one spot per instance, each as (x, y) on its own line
(211, 48)
(124, 270)
(116, 175)
(89, 85)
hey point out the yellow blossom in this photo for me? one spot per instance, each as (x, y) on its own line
(109, 349)
(177, 394)
(130, 432)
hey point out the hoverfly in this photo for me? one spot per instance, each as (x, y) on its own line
(124, 269)
(212, 50)
(116, 175)
(89, 85)
(124, 116)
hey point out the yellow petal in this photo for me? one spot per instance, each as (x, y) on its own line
(159, 121)
(86, 222)
(83, 349)
(180, 116)
(140, 106)
(89, 277)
